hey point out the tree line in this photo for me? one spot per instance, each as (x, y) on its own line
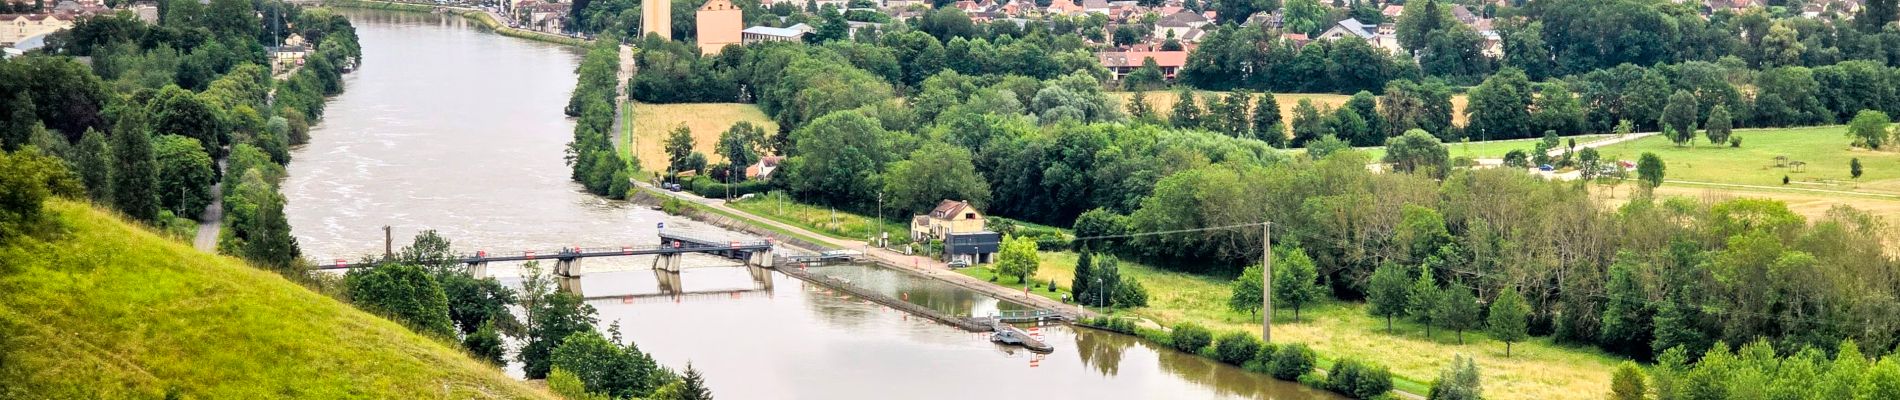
(596, 164)
(143, 127)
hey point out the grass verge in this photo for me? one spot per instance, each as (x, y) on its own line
(824, 221)
(107, 310)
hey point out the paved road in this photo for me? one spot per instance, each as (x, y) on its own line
(919, 265)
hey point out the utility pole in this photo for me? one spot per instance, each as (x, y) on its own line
(1266, 281)
(387, 243)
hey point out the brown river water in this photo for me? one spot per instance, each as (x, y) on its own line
(449, 127)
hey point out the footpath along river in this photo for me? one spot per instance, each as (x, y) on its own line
(449, 127)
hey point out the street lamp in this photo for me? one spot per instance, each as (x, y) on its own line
(1098, 292)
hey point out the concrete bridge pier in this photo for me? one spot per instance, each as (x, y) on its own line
(759, 259)
(669, 282)
(479, 270)
(667, 262)
(565, 267)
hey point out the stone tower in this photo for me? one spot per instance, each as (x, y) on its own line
(719, 24)
(656, 17)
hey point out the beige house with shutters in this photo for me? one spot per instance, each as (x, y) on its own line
(950, 216)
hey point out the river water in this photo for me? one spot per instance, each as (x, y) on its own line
(449, 127)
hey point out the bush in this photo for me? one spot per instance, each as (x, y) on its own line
(711, 188)
(1291, 361)
(674, 206)
(1130, 293)
(1236, 348)
(1190, 337)
(1118, 325)
(1359, 380)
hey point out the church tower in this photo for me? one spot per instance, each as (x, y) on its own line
(719, 25)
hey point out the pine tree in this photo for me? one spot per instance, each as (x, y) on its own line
(1083, 285)
(1422, 302)
(1388, 293)
(694, 387)
(135, 178)
(1266, 121)
(1139, 109)
(1186, 114)
(1506, 321)
(95, 166)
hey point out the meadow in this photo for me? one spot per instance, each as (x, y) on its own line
(652, 123)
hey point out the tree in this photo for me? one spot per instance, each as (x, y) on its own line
(1417, 151)
(1517, 158)
(185, 174)
(1186, 114)
(1590, 162)
(1423, 301)
(934, 172)
(606, 367)
(1499, 108)
(693, 386)
(1126, 35)
(552, 318)
(1247, 291)
(1558, 110)
(1139, 109)
(486, 344)
(1459, 381)
(740, 146)
(1626, 313)
(1627, 382)
(1853, 167)
(1295, 280)
(177, 111)
(838, 157)
(135, 178)
(1266, 121)
(1388, 293)
(1148, 77)
(27, 178)
(1719, 127)
(1017, 258)
(1458, 308)
(1507, 318)
(1083, 283)
(1417, 23)
(1679, 117)
(1869, 129)
(1649, 170)
(94, 164)
(679, 149)
(405, 293)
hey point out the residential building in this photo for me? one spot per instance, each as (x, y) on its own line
(719, 24)
(758, 34)
(950, 217)
(1121, 63)
(16, 28)
(1349, 27)
(1178, 24)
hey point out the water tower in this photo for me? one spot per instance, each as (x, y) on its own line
(656, 17)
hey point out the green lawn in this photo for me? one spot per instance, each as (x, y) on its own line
(1490, 148)
(825, 221)
(107, 310)
(1825, 151)
(1537, 369)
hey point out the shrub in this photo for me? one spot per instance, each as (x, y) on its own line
(1236, 348)
(1130, 293)
(712, 188)
(1190, 337)
(1119, 325)
(1291, 361)
(1358, 379)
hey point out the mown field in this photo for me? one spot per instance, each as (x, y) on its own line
(1825, 150)
(1163, 102)
(111, 311)
(652, 122)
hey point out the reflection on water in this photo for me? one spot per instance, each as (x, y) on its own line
(446, 127)
(932, 293)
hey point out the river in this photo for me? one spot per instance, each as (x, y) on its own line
(446, 126)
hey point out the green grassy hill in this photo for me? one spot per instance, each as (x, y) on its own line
(108, 310)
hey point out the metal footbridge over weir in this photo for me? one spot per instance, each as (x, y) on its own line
(671, 246)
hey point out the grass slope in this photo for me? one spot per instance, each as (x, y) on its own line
(652, 122)
(108, 310)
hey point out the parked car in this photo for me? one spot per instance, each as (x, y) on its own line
(1546, 168)
(959, 263)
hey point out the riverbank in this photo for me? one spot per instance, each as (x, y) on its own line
(484, 17)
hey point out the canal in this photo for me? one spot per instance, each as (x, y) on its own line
(449, 127)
